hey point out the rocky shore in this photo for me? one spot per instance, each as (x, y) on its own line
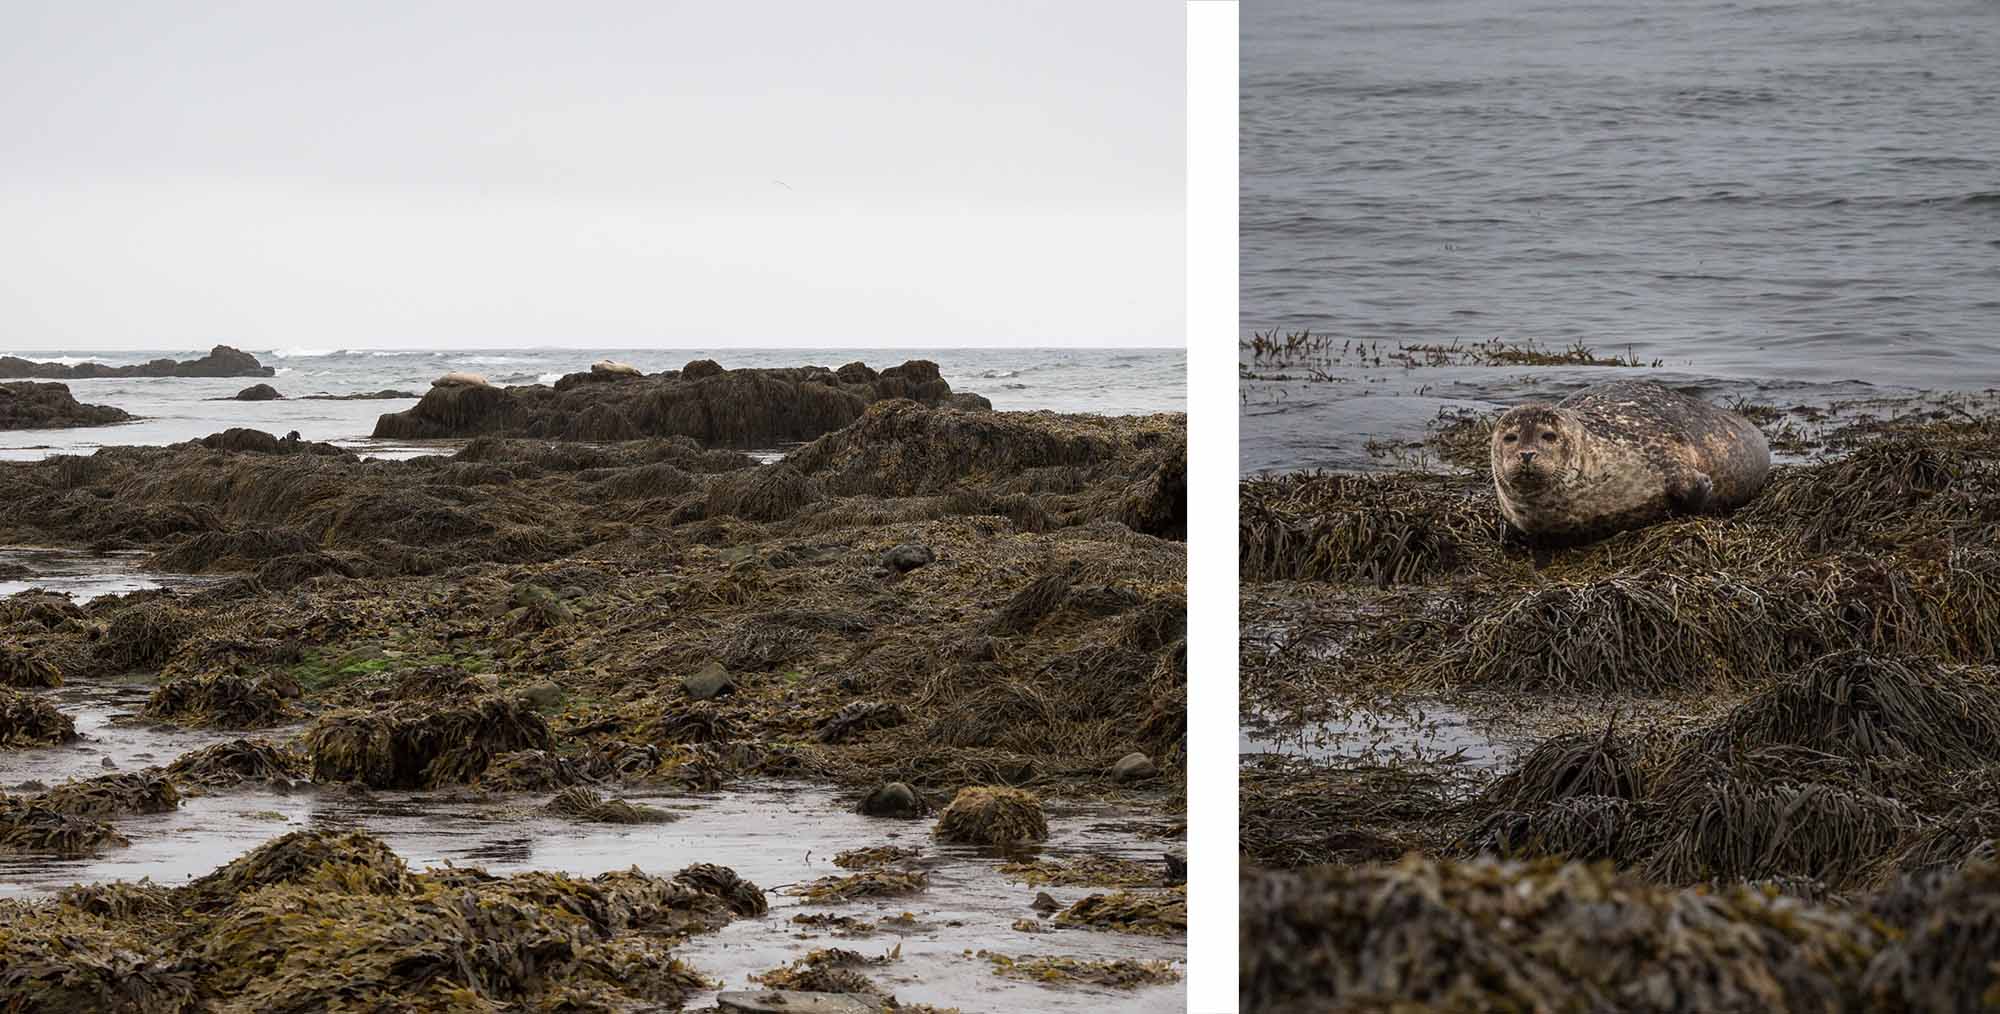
(221, 361)
(31, 406)
(954, 617)
(1738, 763)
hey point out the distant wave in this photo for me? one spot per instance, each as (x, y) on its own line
(302, 353)
(997, 374)
(548, 378)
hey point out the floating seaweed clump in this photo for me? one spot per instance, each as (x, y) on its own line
(1096, 871)
(28, 827)
(875, 856)
(1054, 970)
(220, 700)
(870, 884)
(992, 815)
(580, 803)
(28, 720)
(108, 796)
(413, 746)
(1153, 914)
(23, 668)
(1546, 936)
(237, 761)
(828, 970)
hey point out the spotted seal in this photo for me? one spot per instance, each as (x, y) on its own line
(1621, 455)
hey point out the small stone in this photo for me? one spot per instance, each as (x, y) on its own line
(710, 681)
(542, 696)
(892, 799)
(908, 557)
(1134, 767)
(1044, 903)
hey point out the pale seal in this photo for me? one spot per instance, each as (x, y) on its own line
(1622, 455)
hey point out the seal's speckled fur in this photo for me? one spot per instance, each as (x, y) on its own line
(1622, 455)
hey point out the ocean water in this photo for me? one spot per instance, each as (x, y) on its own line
(1105, 381)
(1795, 202)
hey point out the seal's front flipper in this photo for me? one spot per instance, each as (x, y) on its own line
(1692, 494)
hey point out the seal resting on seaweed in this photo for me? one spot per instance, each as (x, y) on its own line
(1621, 455)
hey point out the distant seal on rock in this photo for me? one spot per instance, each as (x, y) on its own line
(616, 368)
(1622, 455)
(460, 378)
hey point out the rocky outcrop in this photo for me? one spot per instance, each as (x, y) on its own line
(717, 407)
(31, 406)
(259, 392)
(221, 361)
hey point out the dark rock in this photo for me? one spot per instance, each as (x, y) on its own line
(1176, 867)
(259, 392)
(966, 401)
(29, 406)
(221, 361)
(716, 407)
(1134, 767)
(892, 799)
(908, 557)
(1044, 903)
(259, 442)
(382, 395)
(856, 373)
(710, 681)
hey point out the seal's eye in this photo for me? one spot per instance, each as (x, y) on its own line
(1509, 438)
(1549, 435)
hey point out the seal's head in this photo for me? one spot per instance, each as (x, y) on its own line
(1534, 447)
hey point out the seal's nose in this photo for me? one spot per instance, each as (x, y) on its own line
(1528, 456)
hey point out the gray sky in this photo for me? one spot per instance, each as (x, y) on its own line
(364, 174)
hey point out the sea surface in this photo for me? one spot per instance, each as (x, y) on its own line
(1790, 202)
(173, 409)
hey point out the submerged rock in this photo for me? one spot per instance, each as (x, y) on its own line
(892, 799)
(29, 406)
(259, 392)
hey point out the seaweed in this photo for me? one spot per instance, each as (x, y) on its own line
(993, 815)
(28, 720)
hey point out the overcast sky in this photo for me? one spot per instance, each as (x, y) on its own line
(362, 174)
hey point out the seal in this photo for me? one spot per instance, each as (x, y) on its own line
(1621, 455)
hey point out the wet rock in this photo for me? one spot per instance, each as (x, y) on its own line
(785, 1001)
(221, 361)
(259, 392)
(966, 401)
(708, 682)
(892, 799)
(1134, 767)
(701, 369)
(908, 557)
(29, 406)
(1045, 903)
(1176, 868)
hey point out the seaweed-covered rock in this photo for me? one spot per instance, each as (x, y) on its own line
(993, 815)
(580, 803)
(414, 746)
(219, 700)
(22, 667)
(718, 407)
(227, 764)
(30, 406)
(30, 720)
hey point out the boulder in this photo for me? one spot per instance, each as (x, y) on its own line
(1134, 767)
(710, 681)
(702, 369)
(259, 392)
(908, 557)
